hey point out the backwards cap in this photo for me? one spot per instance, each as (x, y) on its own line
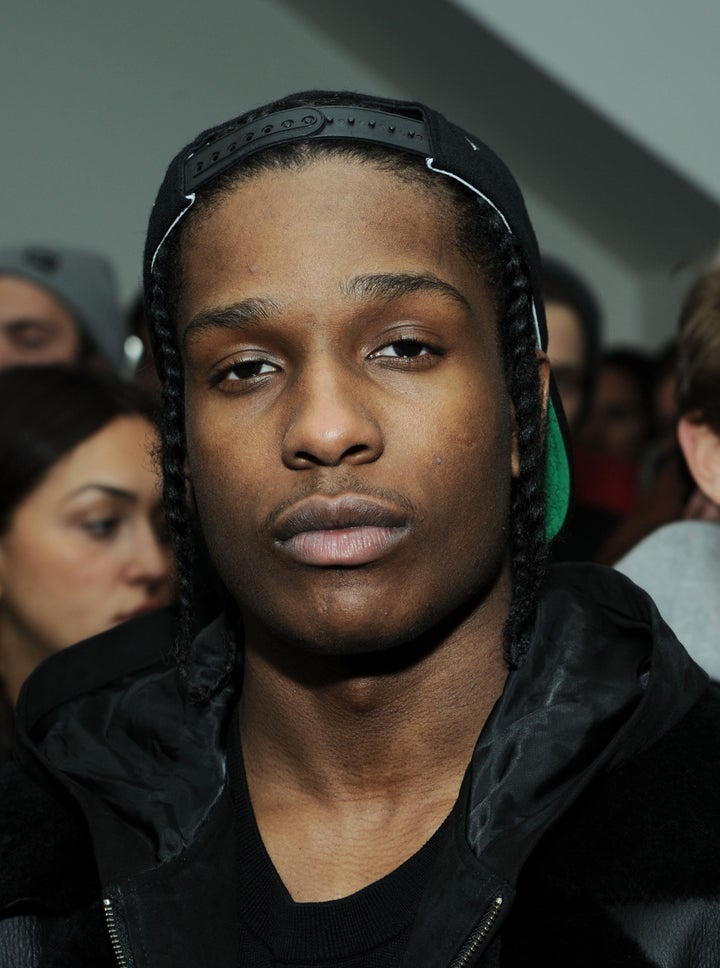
(405, 127)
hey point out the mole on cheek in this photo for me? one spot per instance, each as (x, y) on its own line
(253, 268)
(438, 459)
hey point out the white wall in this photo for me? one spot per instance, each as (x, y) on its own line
(96, 97)
(618, 289)
(651, 66)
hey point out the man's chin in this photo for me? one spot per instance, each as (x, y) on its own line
(327, 650)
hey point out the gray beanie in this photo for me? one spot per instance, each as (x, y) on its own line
(83, 282)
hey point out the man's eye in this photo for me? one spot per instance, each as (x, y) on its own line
(402, 349)
(247, 369)
(244, 371)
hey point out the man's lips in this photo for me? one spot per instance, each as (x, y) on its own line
(343, 532)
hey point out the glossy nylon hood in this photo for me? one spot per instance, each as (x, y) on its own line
(109, 719)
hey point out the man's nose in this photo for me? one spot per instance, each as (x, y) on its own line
(331, 421)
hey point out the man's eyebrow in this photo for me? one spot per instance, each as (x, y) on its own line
(239, 315)
(392, 285)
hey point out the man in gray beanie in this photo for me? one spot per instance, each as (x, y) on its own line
(58, 305)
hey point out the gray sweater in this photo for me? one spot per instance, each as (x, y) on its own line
(679, 566)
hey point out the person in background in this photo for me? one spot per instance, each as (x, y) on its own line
(574, 323)
(59, 305)
(659, 487)
(620, 422)
(82, 544)
(664, 396)
(679, 563)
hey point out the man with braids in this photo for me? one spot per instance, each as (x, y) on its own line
(402, 742)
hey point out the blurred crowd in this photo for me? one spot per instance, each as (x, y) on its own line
(645, 427)
(82, 540)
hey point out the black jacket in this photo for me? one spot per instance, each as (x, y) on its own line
(590, 834)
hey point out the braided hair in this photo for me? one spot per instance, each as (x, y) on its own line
(484, 239)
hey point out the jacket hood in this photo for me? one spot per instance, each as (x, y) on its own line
(604, 678)
(110, 720)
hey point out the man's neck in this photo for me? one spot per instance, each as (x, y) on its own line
(341, 756)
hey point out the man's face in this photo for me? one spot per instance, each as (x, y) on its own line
(34, 326)
(350, 437)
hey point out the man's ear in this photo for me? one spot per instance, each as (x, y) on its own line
(544, 377)
(701, 447)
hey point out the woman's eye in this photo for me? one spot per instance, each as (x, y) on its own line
(402, 349)
(102, 528)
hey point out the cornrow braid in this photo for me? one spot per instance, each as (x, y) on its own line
(528, 544)
(178, 515)
(485, 240)
(173, 455)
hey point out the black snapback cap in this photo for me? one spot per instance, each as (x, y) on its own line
(404, 126)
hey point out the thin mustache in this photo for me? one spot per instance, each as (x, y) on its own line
(344, 488)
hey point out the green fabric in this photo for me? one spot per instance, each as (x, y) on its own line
(557, 476)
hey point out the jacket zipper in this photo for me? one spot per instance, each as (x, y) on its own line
(478, 936)
(122, 958)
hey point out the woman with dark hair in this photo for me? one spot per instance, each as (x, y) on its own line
(402, 743)
(82, 544)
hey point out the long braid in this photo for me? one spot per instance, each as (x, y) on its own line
(174, 452)
(528, 544)
(175, 493)
(484, 238)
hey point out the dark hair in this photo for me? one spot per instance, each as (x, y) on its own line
(698, 366)
(45, 412)
(564, 285)
(638, 366)
(484, 239)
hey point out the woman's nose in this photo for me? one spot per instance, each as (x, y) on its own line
(151, 562)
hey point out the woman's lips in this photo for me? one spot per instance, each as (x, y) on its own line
(342, 532)
(137, 612)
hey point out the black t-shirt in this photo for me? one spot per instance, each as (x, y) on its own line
(368, 929)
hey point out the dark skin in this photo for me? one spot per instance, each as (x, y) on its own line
(351, 448)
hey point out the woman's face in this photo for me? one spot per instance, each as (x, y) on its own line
(84, 550)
